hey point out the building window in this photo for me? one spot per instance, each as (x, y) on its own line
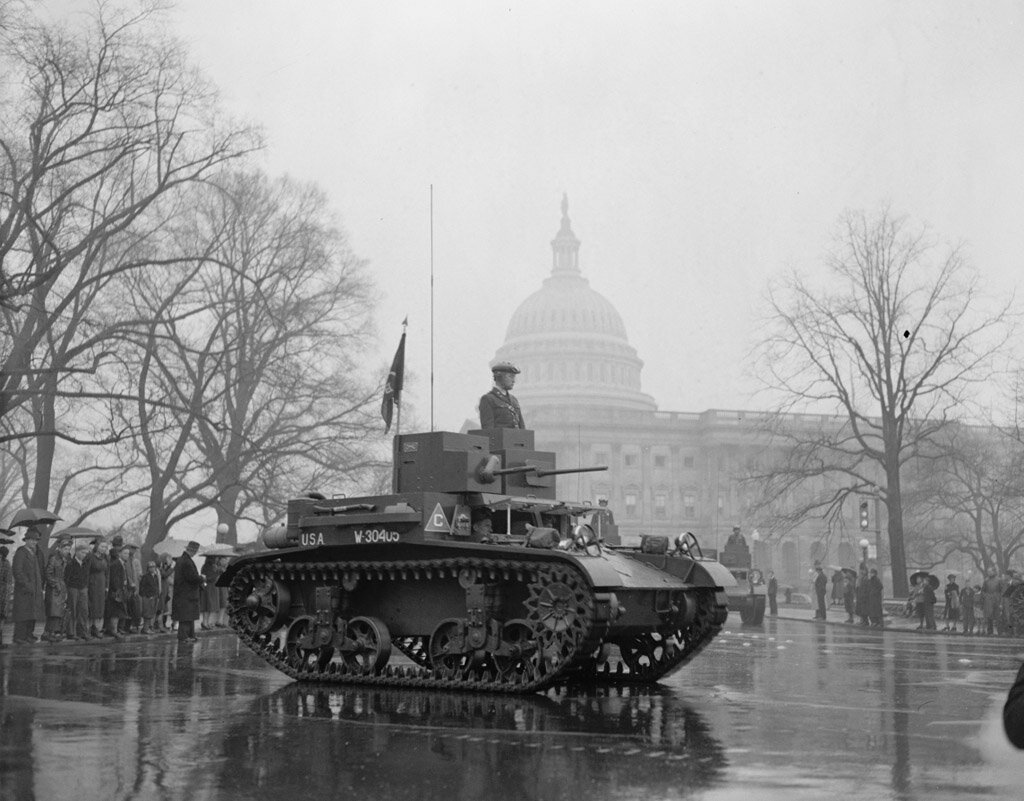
(660, 502)
(600, 458)
(629, 459)
(688, 462)
(631, 504)
(659, 460)
(690, 506)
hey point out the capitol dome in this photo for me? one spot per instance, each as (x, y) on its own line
(570, 342)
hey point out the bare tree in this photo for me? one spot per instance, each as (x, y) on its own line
(975, 488)
(98, 123)
(891, 343)
(289, 410)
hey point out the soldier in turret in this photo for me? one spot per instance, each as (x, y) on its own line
(499, 407)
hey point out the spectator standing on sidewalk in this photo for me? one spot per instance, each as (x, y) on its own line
(166, 593)
(837, 587)
(860, 606)
(209, 603)
(927, 605)
(28, 588)
(99, 568)
(773, 594)
(951, 614)
(876, 611)
(967, 598)
(991, 598)
(76, 579)
(149, 596)
(849, 596)
(6, 587)
(820, 587)
(187, 586)
(56, 589)
(117, 591)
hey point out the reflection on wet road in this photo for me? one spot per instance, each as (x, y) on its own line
(796, 711)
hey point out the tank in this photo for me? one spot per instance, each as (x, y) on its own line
(749, 593)
(470, 575)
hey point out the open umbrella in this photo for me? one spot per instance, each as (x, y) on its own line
(171, 545)
(849, 571)
(217, 549)
(924, 575)
(77, 533)
(30, 516)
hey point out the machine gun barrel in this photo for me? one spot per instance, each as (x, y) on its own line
(563, 471)
(506, 471)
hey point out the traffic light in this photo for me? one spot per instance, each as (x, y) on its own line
(863, 515)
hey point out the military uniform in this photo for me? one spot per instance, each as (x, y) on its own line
(500, 409)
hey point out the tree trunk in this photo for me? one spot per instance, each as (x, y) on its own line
(226, 510)
(46, 443)
(894, 506)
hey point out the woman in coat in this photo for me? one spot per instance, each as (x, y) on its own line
(117, 591)
(99, 567)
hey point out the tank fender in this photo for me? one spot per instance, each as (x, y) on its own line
(711, 573)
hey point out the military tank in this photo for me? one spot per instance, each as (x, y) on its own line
(749, 594)
(477, 574)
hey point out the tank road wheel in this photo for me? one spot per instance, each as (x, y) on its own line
(257, 605)
(448, 647)
(518, 662)
(299, 650)
(371, 645)
(647, 654)
(560, 611)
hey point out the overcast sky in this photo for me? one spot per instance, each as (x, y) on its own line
(703, 147)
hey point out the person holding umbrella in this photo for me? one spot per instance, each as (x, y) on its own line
(28, 588)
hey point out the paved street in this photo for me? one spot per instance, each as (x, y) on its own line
(798, 710)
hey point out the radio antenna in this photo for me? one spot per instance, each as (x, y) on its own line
(431, 307)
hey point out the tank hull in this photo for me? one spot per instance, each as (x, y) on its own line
(474, 616)
(476, 574)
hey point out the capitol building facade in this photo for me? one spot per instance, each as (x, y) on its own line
(669, 472)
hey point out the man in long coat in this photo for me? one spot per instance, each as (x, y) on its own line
(876, 611)
(187, 584)
(820, 587)
(28, 589)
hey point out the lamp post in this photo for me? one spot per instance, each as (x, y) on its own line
(864, 552)
(755, 535)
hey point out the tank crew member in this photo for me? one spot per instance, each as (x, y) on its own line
(499, 407)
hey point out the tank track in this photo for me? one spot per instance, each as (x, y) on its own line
(561, 641)
(648, 657)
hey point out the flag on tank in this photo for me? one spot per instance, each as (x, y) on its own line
(393, 385)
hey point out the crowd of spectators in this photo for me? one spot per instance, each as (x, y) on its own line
(87, 590)
(972, 609)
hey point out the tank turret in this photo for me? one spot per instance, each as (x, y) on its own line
(475, 574)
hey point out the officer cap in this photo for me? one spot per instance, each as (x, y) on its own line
(30, 534)
(505, 367)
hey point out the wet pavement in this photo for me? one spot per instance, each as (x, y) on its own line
(795, 710)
